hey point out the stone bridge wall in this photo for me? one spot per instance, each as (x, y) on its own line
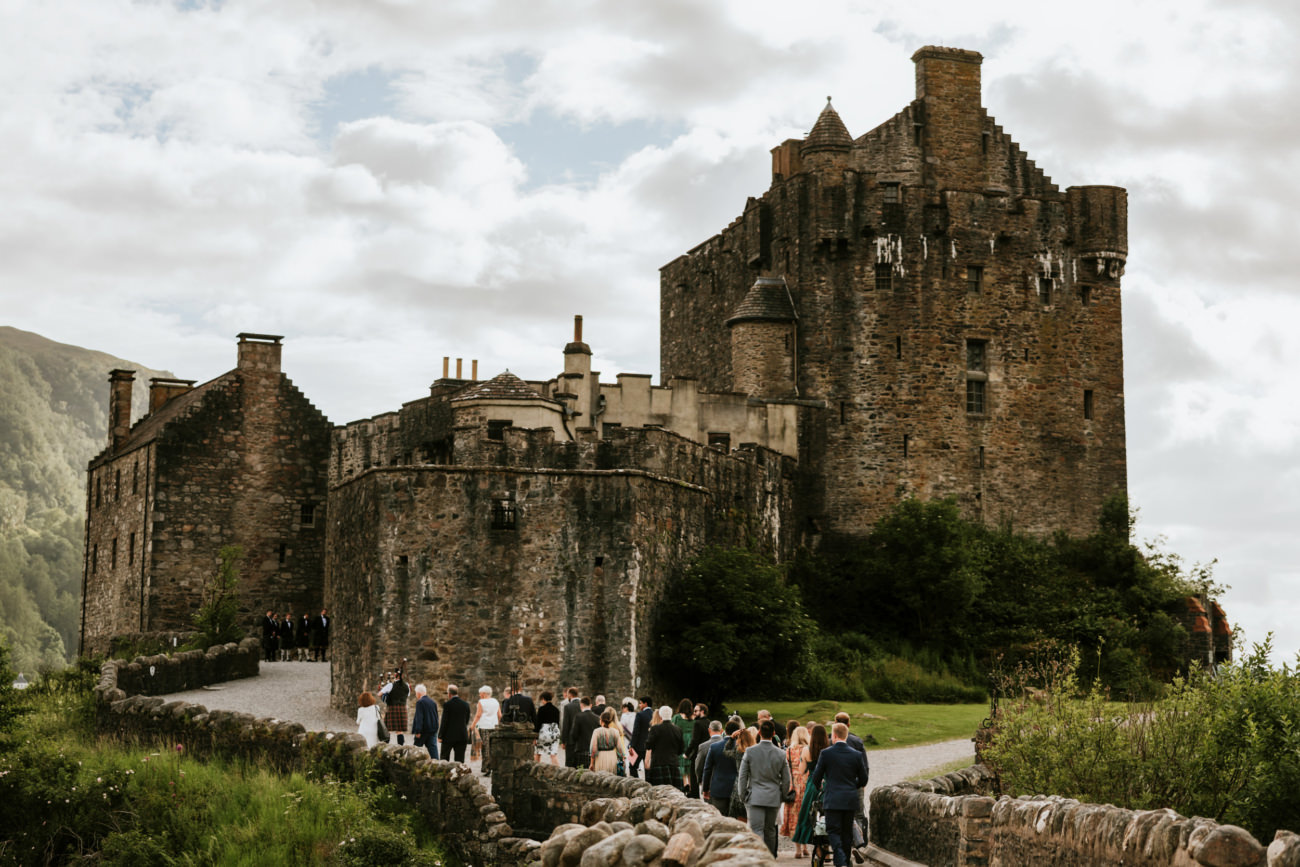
(177, 672)
(948, 822)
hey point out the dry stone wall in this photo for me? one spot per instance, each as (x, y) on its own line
(162, 674)
(948, 822)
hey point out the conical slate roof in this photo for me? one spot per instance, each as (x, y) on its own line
(828, 133)
(503, 386)
(768, 300)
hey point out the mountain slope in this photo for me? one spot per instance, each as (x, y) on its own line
(53, 420)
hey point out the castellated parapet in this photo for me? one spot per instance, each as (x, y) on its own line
(954, 325)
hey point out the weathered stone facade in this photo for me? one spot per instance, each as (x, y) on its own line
(957, 326)
(239, 460)
(534, 556)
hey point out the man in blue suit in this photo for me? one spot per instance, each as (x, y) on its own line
(425, 727)
(844, 770)
(720, 771)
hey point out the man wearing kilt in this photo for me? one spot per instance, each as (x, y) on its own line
(395, 715)
(664, 745)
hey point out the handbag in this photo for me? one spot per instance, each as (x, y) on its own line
(787, 797)
(620, 769)
(381, 730)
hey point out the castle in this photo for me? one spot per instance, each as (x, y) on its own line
(919, 311)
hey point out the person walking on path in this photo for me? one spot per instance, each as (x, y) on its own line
(320, 636)
(485, 723)
(454, 730)
(794, 755)
(270, 636)
(608, 746)
(844, 770)
(548, 730)
(640, 730)
(425, 725)
(368, 719)
(720, 771)
(663, 752)
(395, 717)
(803, 831)
(763, 781)
(574, 754)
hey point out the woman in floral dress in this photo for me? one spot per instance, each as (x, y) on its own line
(799, 777)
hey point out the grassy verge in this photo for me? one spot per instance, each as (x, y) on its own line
(890, 725)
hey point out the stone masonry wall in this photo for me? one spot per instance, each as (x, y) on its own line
(162, 673)
(422, 565)
(947, 822)
(449, 795)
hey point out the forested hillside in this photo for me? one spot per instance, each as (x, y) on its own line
(53, 420)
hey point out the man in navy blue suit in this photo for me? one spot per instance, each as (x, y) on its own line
(425, 727)
(844, 770)
(720, 771)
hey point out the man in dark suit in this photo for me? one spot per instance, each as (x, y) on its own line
(270, 636)
(584, 726)
(640, 731)
(454, 731)
(598, 706)
(764, 779)
(320, 636)
(856, 743)
(517, 702)
(568, 713)
(844, 770)
(425, 724)
(720, 771)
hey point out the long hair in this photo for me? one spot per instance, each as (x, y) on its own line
(744, 740)
(366, 699)
(790, 729)
(817, 743)
(684, 707)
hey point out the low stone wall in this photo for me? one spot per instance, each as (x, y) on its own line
(449, 795)
(947, 822)
(178, 672)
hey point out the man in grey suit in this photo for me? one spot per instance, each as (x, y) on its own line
(764, 779)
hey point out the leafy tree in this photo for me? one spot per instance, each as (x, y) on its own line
(217, 619)
(730, 625)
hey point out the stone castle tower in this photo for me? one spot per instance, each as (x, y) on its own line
(946, 320)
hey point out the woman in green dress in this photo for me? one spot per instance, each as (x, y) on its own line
(682, 719)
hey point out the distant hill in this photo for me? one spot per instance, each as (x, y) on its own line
(53, 420)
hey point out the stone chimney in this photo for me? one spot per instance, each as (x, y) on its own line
(162, 390)
(119, 406)
(259, 352)
(952, 132)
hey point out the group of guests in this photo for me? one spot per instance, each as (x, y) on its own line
(286, 638)
(778, 779)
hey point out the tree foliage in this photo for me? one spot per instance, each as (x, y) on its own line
(217, 619)
(730, 625)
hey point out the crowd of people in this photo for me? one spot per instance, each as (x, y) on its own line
(802, 782)
(286, 638)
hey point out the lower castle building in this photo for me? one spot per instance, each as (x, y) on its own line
(919, 311)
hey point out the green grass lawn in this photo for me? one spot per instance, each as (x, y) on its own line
(892, 725)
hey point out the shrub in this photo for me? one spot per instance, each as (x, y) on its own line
(217, 619)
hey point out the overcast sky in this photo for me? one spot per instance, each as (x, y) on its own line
(387, 182)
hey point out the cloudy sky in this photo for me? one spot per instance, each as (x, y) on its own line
(387, 182)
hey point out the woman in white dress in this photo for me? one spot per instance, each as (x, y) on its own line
(368, 719)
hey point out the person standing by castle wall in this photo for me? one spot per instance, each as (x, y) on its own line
(285, 633)
(270, 636)
(454, 730)
(395, 716)
(485, 722)
(302, 637)
(320, 636)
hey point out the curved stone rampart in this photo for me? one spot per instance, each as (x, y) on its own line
(177, 672)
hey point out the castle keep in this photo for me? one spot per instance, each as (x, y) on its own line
(919, 311)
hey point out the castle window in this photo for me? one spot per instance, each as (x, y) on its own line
(112, 563)
(503, 513)
(1045, 290)
(117, 484)
(135, 477)
(916, 133)
(130, 552)
(1087, 403)
(977, 375)
(720, 441)
(1085, 295)
(283, 553)
(94, 558)
(907, 439)
(898, 347)
(99, 492)
(984, 142)
(891, 193)
(974, 280)
(884, 280)
(979, 458)
(497, 428)
(308, 515)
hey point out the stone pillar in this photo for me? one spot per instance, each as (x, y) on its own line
(512, 759)
(973, 826)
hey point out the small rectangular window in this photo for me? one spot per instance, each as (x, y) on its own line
(117, 485)
(284, 553)
(113, 561)
(977, 366)
(720, 441)
(916, 134)
(1045, 290)
(1087, 403)
(135, 477)
(979, 458)
(308, 515)
(130, 552)
(94, 558)
(975, 396)
(898, 347)
(907, 440)
(497, 428)
(974, 280)
(503, 514)
(99, 492)
(891, 193)
(977, 355)
(1085, 295)
(884, 280)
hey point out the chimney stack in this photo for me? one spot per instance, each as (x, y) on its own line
(948, 86)
(259, 352)
(162, 390)
(577, 328)
(446, 366)
(119, 406)
(473, 370)
(459, 368)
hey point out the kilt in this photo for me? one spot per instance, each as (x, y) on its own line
(664, 775)
(395, 717)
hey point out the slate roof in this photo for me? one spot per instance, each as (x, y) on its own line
(828, 133)
(503, 386)
(148, 428)
(768, 300)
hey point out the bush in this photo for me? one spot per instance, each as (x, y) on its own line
(1226, 747)
(217, 619)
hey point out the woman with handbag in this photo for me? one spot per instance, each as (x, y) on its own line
(798, 744)
(608, 751)
(368, 719)
(806, 833)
